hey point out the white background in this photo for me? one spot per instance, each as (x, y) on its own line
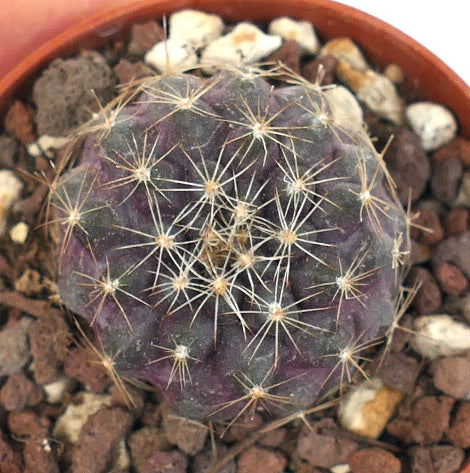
(443, 26)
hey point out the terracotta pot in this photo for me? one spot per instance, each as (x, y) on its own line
(381, 42)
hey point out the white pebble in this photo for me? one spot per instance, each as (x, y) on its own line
(367, 408)
(345, 109)
(34, 150)
(302, 32)
(343, 468)
(440, 335)
(10, 188)
(46, 143)
(433, 123)
(351, 405)
(245, 44)
(19, 233)
(171, 56)
(46, 445)
(55, 391)
(195, 27)
(69, 424)
(123, 461)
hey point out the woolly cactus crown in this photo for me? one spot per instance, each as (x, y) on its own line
(228, 241)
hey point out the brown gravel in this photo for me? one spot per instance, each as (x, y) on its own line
(445, 180)
(33, 431)
(437, 459)
(320, 446)
(127, 71)
(99, 438)
(451, 279)
(452, 376)
(18, 122)
(458, 147)
(189, 436)
(143, 443)
(456, 221)
(434, 233)
(82, 365)
(10, 459)
(374, 460)
(26, 423)
(164, 462)
(459, 432)
(428, 422)
(49, 339)
(20, 392)
(398, 371)
(144, 36)
(35, 307)
(203, 461)
(261, 460)
(326, 63)
(428, 299)
(288, 54)
(274, 438)
(408, 165)
(240, 430)
(37, 456)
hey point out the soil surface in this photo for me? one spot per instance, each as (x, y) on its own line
(60, 411)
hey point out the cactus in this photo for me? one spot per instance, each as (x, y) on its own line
(229, 242)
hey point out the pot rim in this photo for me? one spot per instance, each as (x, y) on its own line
(380, 42)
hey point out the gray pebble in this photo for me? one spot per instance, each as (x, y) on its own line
(14, 350)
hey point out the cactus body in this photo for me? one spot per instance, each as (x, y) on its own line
(229, 243)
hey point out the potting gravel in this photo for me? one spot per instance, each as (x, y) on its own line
(59, 409)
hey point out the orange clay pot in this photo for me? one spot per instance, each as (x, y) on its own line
(90, 24)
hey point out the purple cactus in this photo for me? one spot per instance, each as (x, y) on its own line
(228, 242)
